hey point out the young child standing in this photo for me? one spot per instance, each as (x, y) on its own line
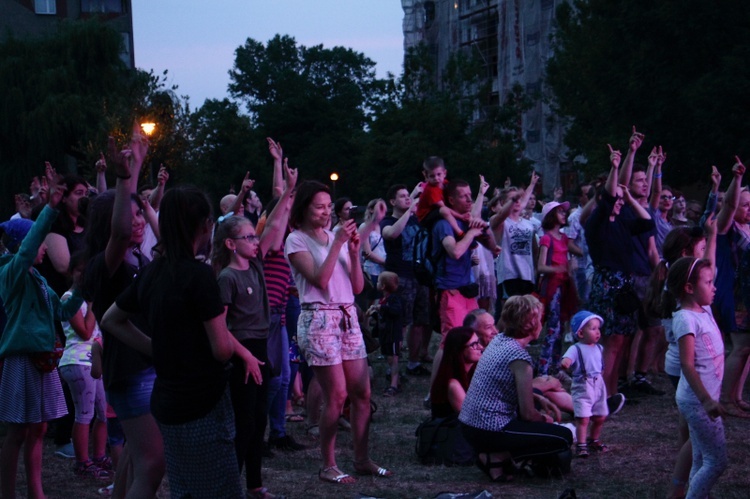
(30, 389)
(690, 284)
(431, 198)
(589, 392)
(556, 288)
(389, 310)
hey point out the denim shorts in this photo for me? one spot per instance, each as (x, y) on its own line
(132, 398)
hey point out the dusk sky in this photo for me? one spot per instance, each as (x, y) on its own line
(196, 40)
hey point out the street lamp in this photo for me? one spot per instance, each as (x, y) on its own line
(148, 128)
(334, 177)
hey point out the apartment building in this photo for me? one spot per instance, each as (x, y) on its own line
(512, 38)
(29, 18)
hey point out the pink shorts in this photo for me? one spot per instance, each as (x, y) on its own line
(329, 334)
(453, 309)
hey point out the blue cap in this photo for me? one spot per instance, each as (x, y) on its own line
(580, 319)
(16, 229)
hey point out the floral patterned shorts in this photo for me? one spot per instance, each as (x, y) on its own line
(330, 334)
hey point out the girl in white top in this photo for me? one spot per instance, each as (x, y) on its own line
(690, 285)
(327, 272)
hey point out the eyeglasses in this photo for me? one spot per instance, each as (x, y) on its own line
(475, 345)
(251, 238)
(665, 197)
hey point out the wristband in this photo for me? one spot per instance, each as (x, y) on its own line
(123, 177)
(657, 175)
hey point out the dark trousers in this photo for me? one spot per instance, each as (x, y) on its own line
(521, 438)
(250, 404)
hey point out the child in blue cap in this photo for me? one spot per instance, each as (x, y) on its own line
(585, 360)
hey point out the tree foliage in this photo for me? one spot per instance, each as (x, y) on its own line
(60, 97)
(224, 146)
(315, 100)
(676, 68)
(429, 116)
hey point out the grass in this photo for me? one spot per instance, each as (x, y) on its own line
(642, 439)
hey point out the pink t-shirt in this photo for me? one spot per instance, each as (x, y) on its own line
(559, 249)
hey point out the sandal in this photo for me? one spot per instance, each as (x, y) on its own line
(488, 465)
(371, 469)
(294, 418)
(335, 475)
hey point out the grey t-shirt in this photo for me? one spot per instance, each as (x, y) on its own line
(244, 292)
(709, 352)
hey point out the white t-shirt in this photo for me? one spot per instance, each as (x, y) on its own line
(709, 352)
(516, 261)
(339, 289)
(592, 360)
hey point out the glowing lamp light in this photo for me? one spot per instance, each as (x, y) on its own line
(334, 176)
(148, 128)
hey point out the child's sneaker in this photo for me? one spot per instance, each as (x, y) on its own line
(582, 451)
(597, 446)
(104, 463)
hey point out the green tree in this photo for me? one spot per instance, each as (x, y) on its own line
(224, 146)
(315, 100)
(426, 116)
(677, 69)
(60, 96)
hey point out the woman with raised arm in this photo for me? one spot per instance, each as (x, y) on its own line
(610, 242)
(113, 235)
(328, 274)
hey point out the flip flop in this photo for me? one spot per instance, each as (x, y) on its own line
(294, 418)
(371, 470)
(338, 476)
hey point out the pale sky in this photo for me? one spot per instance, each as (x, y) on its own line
(196, 40)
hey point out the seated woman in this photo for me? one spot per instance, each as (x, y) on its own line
(461, 353)
(498, 413)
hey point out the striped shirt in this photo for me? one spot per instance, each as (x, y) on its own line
(277, 273)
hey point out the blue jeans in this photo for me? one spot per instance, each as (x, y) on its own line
(582, 284)
(278, 386)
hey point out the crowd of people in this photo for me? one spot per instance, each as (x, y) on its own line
(164, 340)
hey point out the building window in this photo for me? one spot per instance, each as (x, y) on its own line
(125, 52)
(48, 7)
(102, 6)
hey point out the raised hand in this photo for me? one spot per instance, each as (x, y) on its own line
(534, 178)
(635, 140)
(138, 145)
(291, 175)
(101, 163)
(715, 177)
(614, 157)
(379, 211)
(247, 183)
(661, 157)
(274, 148)
(347, 231)
(483, 185)
(738, 169)
(163, 176)
(120, 159)
(507, 183)
(57, 187)
(653, 158)
(557, 194)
